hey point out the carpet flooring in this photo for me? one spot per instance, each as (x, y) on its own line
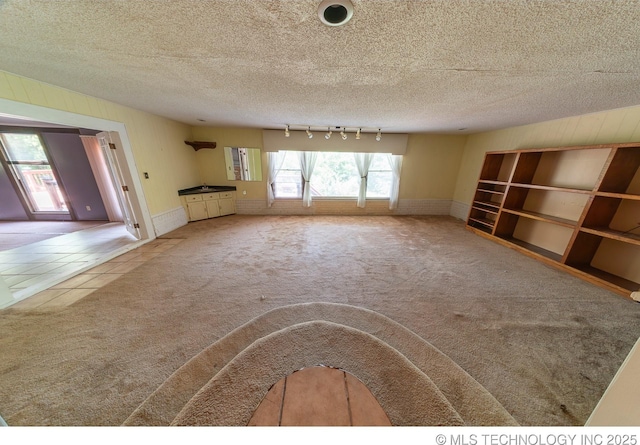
(407, 375)
(544, 344)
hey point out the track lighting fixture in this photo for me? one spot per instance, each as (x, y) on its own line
(342, 131)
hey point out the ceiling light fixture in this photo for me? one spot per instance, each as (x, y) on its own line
(286, 132)
(378, 136)
(335, 12)
(328, 135)
(309, 134)
(358, 134)
(343, 134)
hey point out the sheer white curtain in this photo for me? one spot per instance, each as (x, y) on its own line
(363, 162)
(307, 163)
(103, 177)
(274, 163)
(395, 161)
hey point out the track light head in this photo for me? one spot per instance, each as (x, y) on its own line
(378, 136)
(358, 134)
(343, 135)
(328, 135)
(309, 134)
(286, 132)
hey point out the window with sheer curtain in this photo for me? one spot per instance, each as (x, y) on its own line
(335, 175)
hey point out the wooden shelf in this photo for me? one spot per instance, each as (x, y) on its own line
(495, 192)
(199, 145)
(487, 206)
(484, 221)
(533, 248)
(592, 188)
(606, 232)
(618, 195)
(542, 217)
(550, 188)
(608, 278)
(486, 181)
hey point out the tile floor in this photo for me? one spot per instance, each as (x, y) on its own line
(42, 274)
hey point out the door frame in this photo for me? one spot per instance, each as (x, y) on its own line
(49, 115)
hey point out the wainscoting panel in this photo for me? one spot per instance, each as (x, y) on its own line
(344, 207)
(170, 220)
(459, 210)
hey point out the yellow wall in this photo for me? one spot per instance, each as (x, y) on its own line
(157, 143)
(622, 125)
(211, 163)
(429, 167)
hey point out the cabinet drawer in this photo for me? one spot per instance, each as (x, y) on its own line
(209, 196)
(226, 195)
(193, 198)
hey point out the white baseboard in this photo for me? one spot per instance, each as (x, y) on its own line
(170, 220)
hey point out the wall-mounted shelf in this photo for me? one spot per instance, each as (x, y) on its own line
(198, 145)
(576, 208)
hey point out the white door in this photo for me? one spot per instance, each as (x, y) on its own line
(110, 151)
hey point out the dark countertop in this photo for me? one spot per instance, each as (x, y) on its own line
(206, 189)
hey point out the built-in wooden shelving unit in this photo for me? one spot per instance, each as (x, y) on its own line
(576, 208)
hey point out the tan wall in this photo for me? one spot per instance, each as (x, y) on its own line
(211, 163)
(429, 167)
(157, 143)
(622, 125)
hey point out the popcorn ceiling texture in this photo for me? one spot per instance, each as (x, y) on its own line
(404, 66)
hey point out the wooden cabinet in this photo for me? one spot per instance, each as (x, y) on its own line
(576, 208)
(209, 205)
(227, 203)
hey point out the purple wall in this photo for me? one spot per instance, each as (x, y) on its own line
(68, 155)
(10, 205)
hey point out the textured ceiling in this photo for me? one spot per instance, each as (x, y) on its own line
(403, 66)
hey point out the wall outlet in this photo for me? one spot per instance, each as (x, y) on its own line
(244, 192)
(88, 208)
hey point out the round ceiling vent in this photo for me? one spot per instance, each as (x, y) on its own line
(335, 12)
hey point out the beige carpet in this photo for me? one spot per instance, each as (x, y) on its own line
(414, 382)
(545, 345)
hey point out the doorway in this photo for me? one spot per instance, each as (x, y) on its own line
(33, 115)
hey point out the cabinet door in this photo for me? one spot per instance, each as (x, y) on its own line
(227, 206)
(213, 208)
(197, 211)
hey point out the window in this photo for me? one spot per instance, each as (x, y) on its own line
(335, 176)
(289, 179)
(27, 160)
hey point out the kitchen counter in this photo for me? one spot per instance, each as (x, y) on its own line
(206, 189)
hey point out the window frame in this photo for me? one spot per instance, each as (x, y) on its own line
(17, 179)
(336, 197)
